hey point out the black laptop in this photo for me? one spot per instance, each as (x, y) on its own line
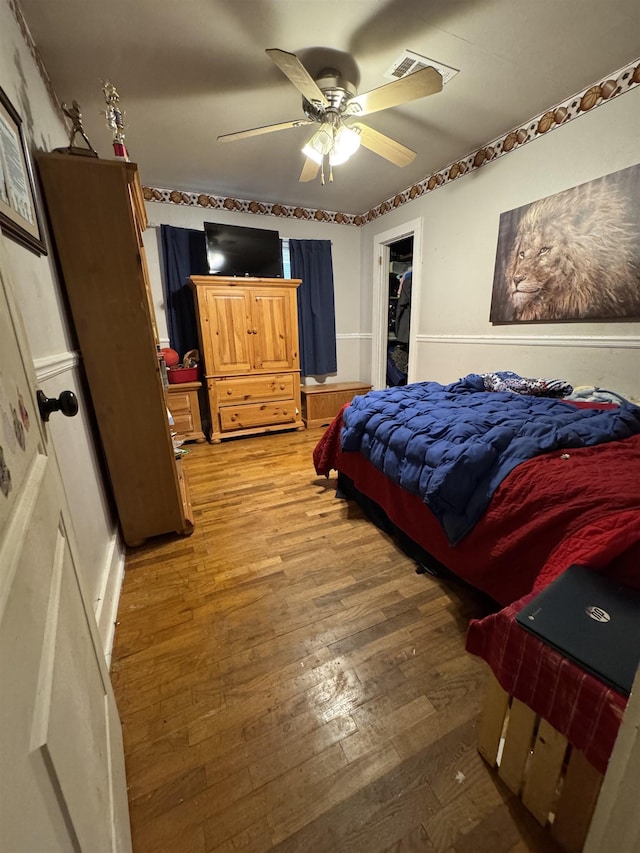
(592, 620)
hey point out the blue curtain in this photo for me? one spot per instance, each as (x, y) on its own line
(311, 261)
(184, 253)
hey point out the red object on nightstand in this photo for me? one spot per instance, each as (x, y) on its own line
(176, 375)
(171, 357)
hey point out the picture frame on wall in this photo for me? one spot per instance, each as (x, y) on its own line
(573, 256)
(19, 215)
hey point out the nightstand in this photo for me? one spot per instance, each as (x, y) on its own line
(182, 401)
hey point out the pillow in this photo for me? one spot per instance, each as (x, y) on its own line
(597, 395)
(506, 380)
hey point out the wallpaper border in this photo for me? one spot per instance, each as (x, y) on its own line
(616, 84)
(611, 87)
(14, 6)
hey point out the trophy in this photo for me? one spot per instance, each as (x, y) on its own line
(115, 118)
(75, 116)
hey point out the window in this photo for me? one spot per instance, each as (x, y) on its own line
(286, 259)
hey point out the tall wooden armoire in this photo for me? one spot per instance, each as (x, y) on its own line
(248, 330)
(97, 215)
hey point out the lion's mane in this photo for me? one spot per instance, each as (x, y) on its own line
(575, 256)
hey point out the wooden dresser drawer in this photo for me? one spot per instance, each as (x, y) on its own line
(247, 388)
(252, 415)
(182, 401)
(183, 423)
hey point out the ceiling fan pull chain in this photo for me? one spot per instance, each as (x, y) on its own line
(333, 148)
(322, 172)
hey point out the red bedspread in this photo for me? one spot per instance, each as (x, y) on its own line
(541, 504)
(576, 703)
(548, 513)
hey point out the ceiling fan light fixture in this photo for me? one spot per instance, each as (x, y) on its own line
(320, 144)
(330, 99)
(310, 152)
(345, 145)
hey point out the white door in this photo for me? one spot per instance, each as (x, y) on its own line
(62, 784)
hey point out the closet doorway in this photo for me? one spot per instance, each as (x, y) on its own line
(394, 252)
(399, 315)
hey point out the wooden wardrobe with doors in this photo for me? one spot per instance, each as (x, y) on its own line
(248, 329)
(97, 215)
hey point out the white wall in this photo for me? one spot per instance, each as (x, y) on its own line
(345, 247)
(460, 231)
(100, 553)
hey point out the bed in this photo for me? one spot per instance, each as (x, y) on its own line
(567, 491)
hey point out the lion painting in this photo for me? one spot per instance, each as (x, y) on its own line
(574, 257)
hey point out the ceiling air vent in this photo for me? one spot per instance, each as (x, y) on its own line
(409, 62)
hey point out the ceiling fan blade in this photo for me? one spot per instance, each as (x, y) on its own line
(421, 83)
(291, 66)
(309, 170)
(386, 147)
(257, 131)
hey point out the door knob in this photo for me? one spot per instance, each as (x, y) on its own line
(67, 403)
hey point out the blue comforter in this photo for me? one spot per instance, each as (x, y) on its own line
(454, 444)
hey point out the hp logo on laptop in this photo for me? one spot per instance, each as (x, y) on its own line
(598, 614)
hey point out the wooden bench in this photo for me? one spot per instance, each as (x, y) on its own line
(554, 781)
(321, 403)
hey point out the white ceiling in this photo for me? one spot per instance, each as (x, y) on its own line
(190, 70)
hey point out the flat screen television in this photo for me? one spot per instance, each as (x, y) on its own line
(234, 250)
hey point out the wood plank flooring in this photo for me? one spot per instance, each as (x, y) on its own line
(286, 681)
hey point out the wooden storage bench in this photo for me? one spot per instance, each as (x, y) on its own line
(554, 781)
(321, 403)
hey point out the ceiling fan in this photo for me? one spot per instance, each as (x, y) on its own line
(332, 103)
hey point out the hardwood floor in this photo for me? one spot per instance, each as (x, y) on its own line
(286, 681)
